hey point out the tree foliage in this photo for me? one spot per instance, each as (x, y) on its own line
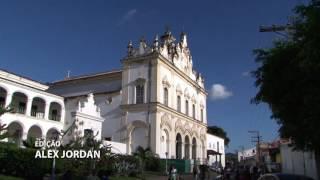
(147, 159)
(288, 79)
(3, 133)
(218, 131)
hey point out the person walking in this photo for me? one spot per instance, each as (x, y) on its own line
(173, 173)
(195, 172)
(169, 173)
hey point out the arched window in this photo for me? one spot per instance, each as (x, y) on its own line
(38, 107)
(88, 133)
(179, 103)
(178, 146)
(187, 107)
(194, 148)
(165, 96)
(19, 102)
(193, 111)
(139, 94)
(186, 148)
(55, 111)
(88, 136)
(3, 96)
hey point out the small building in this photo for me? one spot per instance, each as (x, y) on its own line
(247, 156)
(36, 113)
(215, 150)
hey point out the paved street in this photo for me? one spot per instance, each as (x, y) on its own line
(211, 176)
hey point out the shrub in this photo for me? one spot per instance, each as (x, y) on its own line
(21, 162)
(153, 164)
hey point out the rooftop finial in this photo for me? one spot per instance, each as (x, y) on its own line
(142, 46)
(143, 42)
(183, 39)
(156, 43)
(167, 38)
(130, 48)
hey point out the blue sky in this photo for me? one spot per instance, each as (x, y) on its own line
(44, 39)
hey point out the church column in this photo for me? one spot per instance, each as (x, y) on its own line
(155, 134)
(29, 105)
(128, 138)
(63, 113)
(46, 111)
(173, 147)
(182, 149)
(8, 99)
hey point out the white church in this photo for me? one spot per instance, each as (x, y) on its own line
(155, 100)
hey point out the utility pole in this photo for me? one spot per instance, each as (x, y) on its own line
(256, 138)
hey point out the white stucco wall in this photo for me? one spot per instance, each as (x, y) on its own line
(217, 144)
(247, 153)
(298, 162)
(116, 147)
(180, 86)
(109, 105)
(41, 119)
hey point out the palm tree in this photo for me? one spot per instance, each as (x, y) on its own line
(143, 154)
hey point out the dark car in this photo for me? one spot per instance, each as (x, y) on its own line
(280, 176)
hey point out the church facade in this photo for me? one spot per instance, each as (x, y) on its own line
(155, 100)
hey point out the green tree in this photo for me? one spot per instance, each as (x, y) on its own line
(143, 155)
(3, 129)
(288, 79)
(218, 131)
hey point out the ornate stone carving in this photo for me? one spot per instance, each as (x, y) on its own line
(177, 53)
(179, 90)
(178, 123)
(165, 121)
(187, 128)
(140, 81)
(186, 93)
(165, 82)
(193, 99)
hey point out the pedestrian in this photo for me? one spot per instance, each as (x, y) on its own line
(174, 173)
(195, 172)
(169, 173)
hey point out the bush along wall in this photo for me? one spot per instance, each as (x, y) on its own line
(21, 162)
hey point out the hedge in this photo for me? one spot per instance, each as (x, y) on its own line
(20, 162)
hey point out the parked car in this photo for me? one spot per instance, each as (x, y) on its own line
(282, 176)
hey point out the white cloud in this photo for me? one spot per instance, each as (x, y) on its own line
(246, 73)
(127, 16)
(218, 91)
